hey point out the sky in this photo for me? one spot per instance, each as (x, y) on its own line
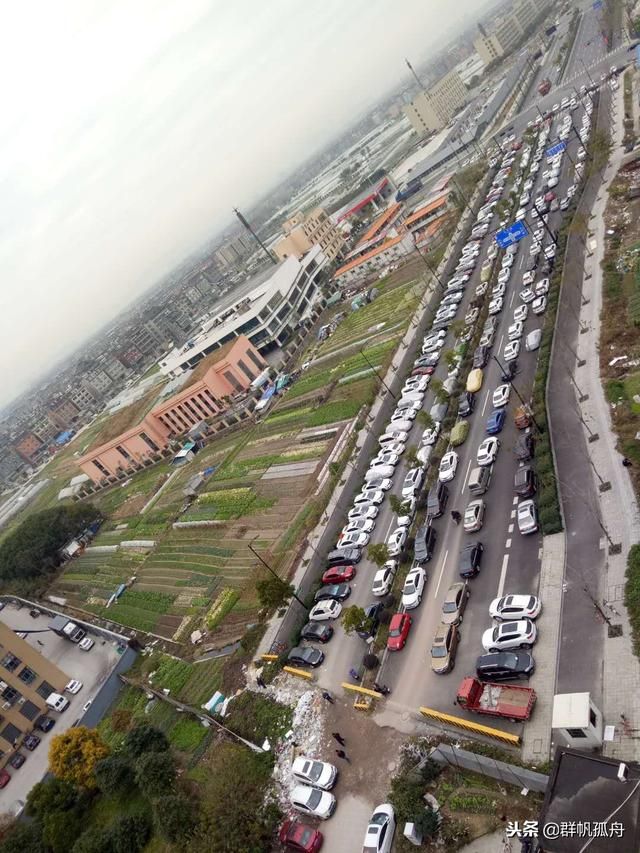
(129, 129)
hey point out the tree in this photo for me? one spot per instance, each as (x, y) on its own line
(396, 504)
(121, 719)
(145, 738)
(425, 420)
(274, 592)
(73, 756)
(174, 816)
(378, 554)
(114, 774)
(451, 358)
(411, 456)
(32, 549)
(50, 795)
(407, 790)
(438, 390)
(130, 834)
(355, 619)
(155, 773)
(24, 838)
(94, 840)
(59, 827)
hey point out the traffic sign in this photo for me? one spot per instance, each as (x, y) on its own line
(512, 234)
(504, 238)
(555, 149)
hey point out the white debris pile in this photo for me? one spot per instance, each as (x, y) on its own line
(306, 736)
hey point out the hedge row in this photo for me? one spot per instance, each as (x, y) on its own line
(632, 595)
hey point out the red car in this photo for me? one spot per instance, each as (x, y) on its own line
(549, 197)
(422, 371)
(339, 574)
(298, 836)
(398, 631)
(5, 778)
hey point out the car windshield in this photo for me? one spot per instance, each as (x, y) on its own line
(395, 632)
(313, 770)
(450, 607)
(438, 652)
(314, 799)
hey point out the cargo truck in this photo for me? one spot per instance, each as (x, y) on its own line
(496, 700)
(64, 627)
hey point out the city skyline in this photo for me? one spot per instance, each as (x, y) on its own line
(131, 132)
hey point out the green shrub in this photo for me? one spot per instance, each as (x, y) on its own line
(551, 520)
(632, 595)
(614, 390)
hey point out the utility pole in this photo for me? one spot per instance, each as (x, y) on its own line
(274, 573)
(415, 76)
(377, 374)
(255, 236)
(542, 220)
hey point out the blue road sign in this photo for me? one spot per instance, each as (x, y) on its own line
(511, 235)
(597, 4)
(555, 149)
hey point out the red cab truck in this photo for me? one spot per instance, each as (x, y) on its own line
(496, 700)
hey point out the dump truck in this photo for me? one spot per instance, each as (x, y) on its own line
(522, 417)
(544, 87)
(64, 627)
(496, 700)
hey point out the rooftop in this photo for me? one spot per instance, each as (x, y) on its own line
(585, 788)
(360, 201)
(426, 209)
(357, 261)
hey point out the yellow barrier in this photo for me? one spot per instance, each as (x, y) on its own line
(301, 672)
(469, 726)
(363, 690)
(269, 657)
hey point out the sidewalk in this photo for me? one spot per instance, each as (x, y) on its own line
(618, 506)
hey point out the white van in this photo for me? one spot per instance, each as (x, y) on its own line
(383, 471)
(57, 702)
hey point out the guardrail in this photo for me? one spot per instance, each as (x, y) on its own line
(450, 721)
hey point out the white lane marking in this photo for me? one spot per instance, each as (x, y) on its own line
(510, 528)
(513, 296)
(484, 406)
(391, 524)
(500, 344)
(466, 477)
(503, 575)
(444, 562)
(507, 544)
(515, 500)
(513, 513)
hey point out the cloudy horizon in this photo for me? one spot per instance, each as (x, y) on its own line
(130, 130)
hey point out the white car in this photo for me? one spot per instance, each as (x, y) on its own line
(323, 610)
(511, 607)
(396, 541)
(538, 234)
(527, 517)
(430, 436)
(361, 511)
(520, 314)
(403, 415)
(311, 801)
(552, 182)
(498, 291)
(404, 520)
(539, 305)
(508, 258)
(353, 540)
(488, 451)
(534, 249)
(383, 578)
(474, 516)
(418, 383)
(521, 634)
(448, 467)
(472, 314)
(532, 341)
(550, 251)
(412, 482)
(527, 295)
(503, 276)
(511, 351)
(391, 437)
(317, 774)
(357, 525)
(413, 588)
(515, 330)
(73, 686)
(541, 287)
(86, 644)
(495, 306)
(379, 835)
(501, 396)
(366, 496)
(528, 278)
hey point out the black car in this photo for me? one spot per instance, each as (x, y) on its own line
(524, 483)
(547, 266)
(470, 559)
(45, 724)
(437, 500)
(509, 371)
(466, 404)
(480, 356)
(343, 557)
(372, 612)
(504, 666)
(305, 656)
(17, 760)
(339, 591)
(524, 447)
(319, 632)
(424, 544)
(31, 742)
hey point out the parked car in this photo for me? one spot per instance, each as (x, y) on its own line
(382, 826)
(31, 742)
(504, 666)
(396, 541)
(501, 395)
(384, 577)
(344, 557)
(444, 647)
(510, 607)
(466, 404)
(455, 602)
(45, 724)
(505, 636)
(73, 686)
(413, 588)
(470, 560)
(511, 350)
(448, 466)
(318, 774)
(524, 447)
(299, 837)
(329, 609)
(412, 482)
(311, 801)
(488, 451)
(424, 545)
(495, 421)
(532, 341)
(399, 628)
(527, 517)
(317, 632)
(17, 760)
(474, 516)
(525, 484)
(5, 778)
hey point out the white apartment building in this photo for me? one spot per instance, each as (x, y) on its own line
(434, 108)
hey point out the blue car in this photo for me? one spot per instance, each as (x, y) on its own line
(496, 421)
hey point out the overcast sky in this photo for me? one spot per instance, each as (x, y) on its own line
(130, 128)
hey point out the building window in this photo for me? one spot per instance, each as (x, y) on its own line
(45, 690)
(11, 734)
(592, 717)
(231, 379)
(149, 442)
(575, 733)
(257, 361)
(10, 694)
(100, 467)
(123, 452)
(27, 675)
(243, 367)
(29, 710)
(213, 400)
(10, 662)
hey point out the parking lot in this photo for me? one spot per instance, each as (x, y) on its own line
(92, 668)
